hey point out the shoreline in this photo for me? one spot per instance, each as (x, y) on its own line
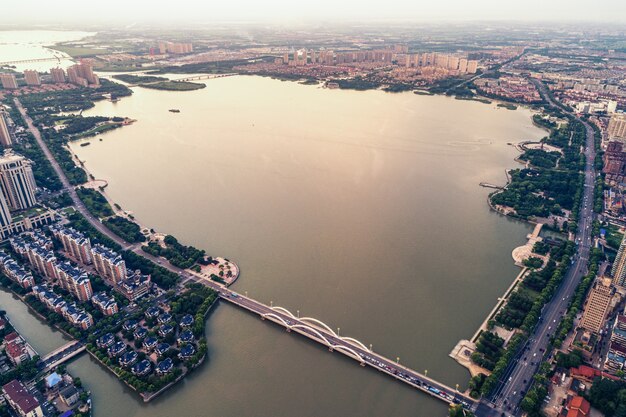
(464, 348)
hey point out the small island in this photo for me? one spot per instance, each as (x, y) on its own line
(174, 86)
(158, 83)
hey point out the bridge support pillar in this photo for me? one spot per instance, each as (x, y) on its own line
(330, 349)
(262, 318)
(362, 364)
(288, 329)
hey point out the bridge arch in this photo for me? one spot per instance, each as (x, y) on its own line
(314, 321)
(284, 311)
(317, 334)
(349, 352)
(277, 317)
(356, 342)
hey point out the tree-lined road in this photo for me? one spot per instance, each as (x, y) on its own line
(519, 375)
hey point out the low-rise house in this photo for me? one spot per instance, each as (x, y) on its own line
(140, 332)
(130, 325)
(117, 349)
(105, 341)
(69, 395)
(165, 366)
(53, 380)
(142, 368)
(105, 303)
(129, 358)
(576, 407)
(150, 343)
(152, 312)
(21, 400)
(165, 318)
(16, 351)
(162, 348)
(165, 330)
(185, 336)
(187, 351)
(186, 321)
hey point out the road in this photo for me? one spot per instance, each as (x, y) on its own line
(318, 332)
(518, 376)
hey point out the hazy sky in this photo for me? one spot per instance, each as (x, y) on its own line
(289, 11)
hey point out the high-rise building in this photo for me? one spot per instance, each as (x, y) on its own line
(5, 136)
(8, 81)
(32, 77)
(58, 75)
(75, 244)
(453, 63)
(5, 214)
(75, 281)
(108, 263)
(472, 66)
(617, 127)
(82, 74)
(598, 305)
(618, 270)
(17, 182)
(463, 65)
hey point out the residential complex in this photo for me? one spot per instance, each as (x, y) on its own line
(175, 48)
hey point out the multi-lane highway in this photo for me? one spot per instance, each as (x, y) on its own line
(519, 375)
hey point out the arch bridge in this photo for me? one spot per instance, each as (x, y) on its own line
(320, 332)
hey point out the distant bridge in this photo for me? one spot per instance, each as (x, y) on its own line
(205, 77)
(61, 355)
(28, 61)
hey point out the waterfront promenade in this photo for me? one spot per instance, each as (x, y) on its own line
(308, 327)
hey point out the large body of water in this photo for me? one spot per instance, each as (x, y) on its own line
(361, 209)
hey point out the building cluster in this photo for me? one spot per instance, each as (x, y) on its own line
(158, 335)
(398, 55)
(514, 88)
(80, 74)
(175, 48)
(107, 263)
(47, 395)
(69, 311)
(37, 249)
